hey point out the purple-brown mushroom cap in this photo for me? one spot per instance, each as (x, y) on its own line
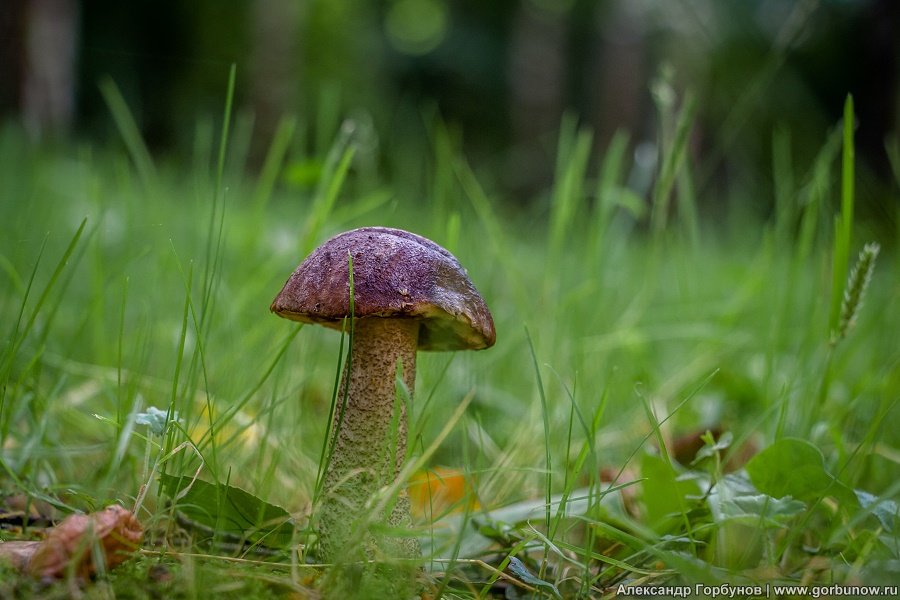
(396, 274)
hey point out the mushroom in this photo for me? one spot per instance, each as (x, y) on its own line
(408, 293)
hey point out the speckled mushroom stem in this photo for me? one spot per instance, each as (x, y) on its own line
(370, 442)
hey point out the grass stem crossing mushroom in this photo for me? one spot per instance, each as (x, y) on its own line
(409, 294)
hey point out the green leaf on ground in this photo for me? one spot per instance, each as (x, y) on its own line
(664, 492)
(886, 511)
(230, 511)
(794, 467)
(735, 499)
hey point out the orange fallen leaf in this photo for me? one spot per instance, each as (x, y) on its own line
(114, 530)
(438, 491)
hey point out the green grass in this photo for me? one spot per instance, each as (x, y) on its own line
(129, 284)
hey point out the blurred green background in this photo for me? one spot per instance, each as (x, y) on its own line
(500, 73)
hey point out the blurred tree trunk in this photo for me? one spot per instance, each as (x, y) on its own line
(589, 57)
(537, 83)
(48, 90)
(617, 77)
(276, 67)
(12, 52)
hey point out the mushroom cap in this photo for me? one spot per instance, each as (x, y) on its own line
(396, 274)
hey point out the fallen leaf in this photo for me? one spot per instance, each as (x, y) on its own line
(114, 530)
(439, 491)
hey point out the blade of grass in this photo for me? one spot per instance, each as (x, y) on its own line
(328, 115)
(216, 229)
(202, 323)
(424, 410)
(176, 376)
(18, 338)
(545, 413)
(119, 342)
(587, 450)
(673, 153)
(334, 172)
(239, 145)
(687, 206)
(607, 190)
(785, 186)
(14, 278)
(232, 410)
(843, 226)
(130, 133)
(496, 233)
(457, 545)
(815, 193)
(203, 146)
(14, 340)
(389, 493)
(200, 350)
(444, 147)
(273, 162)
(667, 460)
(573, 153)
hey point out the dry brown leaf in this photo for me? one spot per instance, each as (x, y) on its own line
(71, 543)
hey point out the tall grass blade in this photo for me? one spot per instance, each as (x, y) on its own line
(232, 410)
(608, 186)
(18, 337)
(334, 172)
(15, 279)
(200, 357)
(458, 541)
(785, 186)
(444, 149)
(13, 340)
(587, 450)
(673, 155)
(328, 116)
(240, 141)
(688, 216)
(545, 413)
(215, 232)
(814, 194)
(666, 460)
(844, 224)
(226, 127)
(120, 397)
(171, 412)
(273, 162)
(202, 150)
(130, 133)
(573, 154)
(496, 233)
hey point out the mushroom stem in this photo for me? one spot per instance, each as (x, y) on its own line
(368, 438)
